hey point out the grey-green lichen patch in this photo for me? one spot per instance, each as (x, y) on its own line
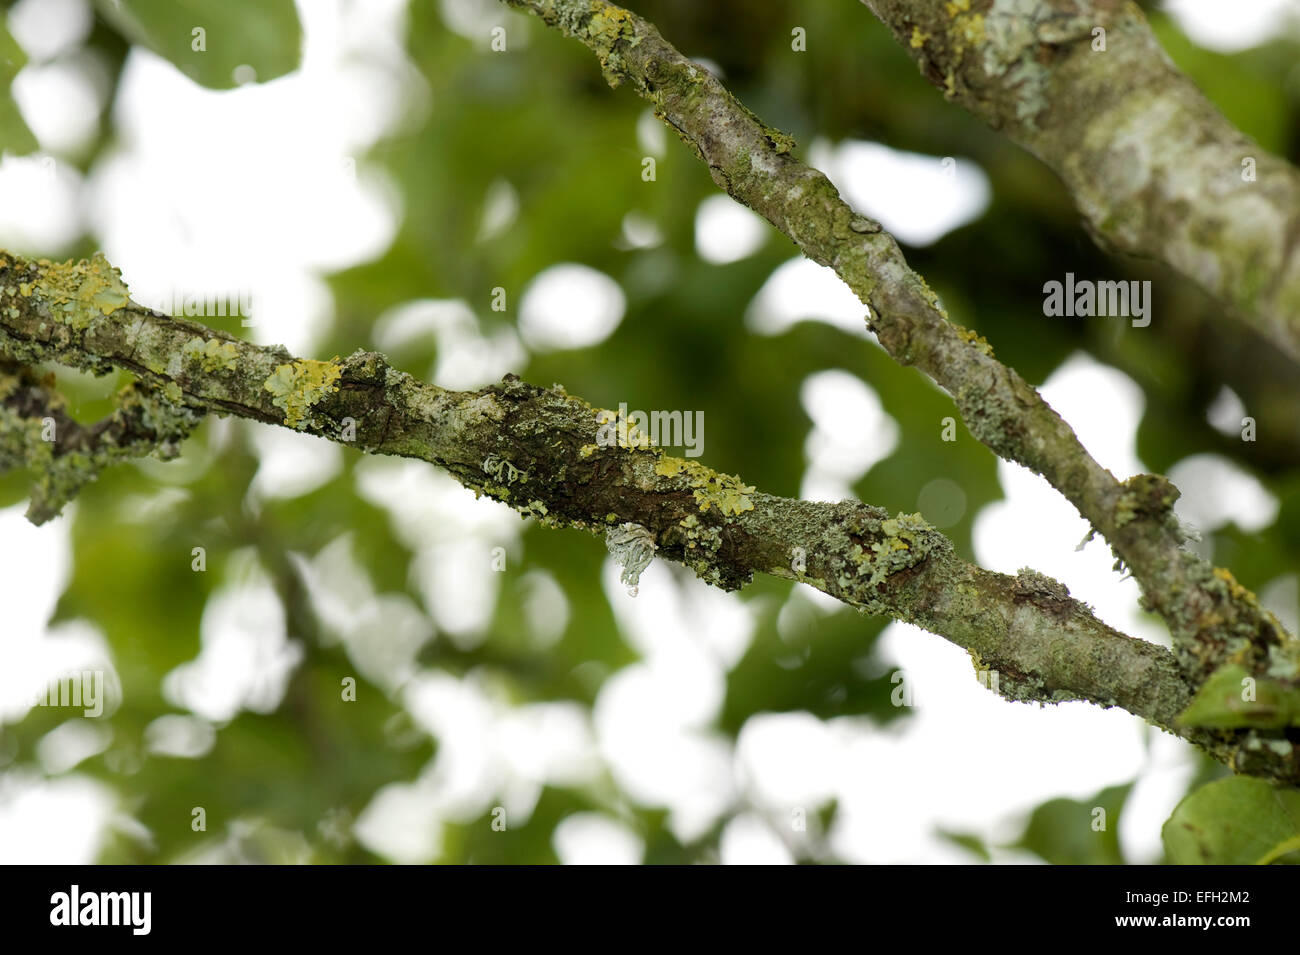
(21, 443)
(900, 543)
(145, 422)
(602, 26)
(1045, 591)
(166, 420)
(1230, 628)
(700, 536)
(77, 293)
(502, 471)
(297, 386)
(1009, 33)
(211, 355)
(422, 402)
(1009, 37)
(1013, 685)
(1145, 494)
(701, 543)
(1283, 660)
(538, 510)
(1282, 747)
(633, 547)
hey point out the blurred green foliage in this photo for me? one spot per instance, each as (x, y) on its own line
(14, 134)
(219, 45)
(1078, 831)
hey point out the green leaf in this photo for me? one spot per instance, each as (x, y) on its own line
(209, 39)
(15, 137)
(971, 843)
(1235, 821)
(1232, 698)
(1075, 832)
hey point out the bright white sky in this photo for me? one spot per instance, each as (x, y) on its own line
(967, 760)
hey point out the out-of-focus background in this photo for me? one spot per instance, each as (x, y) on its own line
(513, 703)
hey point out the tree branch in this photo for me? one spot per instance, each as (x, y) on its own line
(1211, 617)
(37, 432)
(1155, 168)
(549, 455)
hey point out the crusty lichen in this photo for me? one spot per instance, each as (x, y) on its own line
(726, 492)
(700, 536)
(1011, 36)
(539, 510)
(1145, 494)
(903, 543)
(700, 545)
(976, 340)
(603, 27)
(613, 430)
(299, 385)
(213, 354)
(76, 293)
(1030, 585)
(145, 421)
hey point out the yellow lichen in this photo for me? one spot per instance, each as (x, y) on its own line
(1235, 589)
(213, 355)
(299, 385)
(609, 19)
(77, 292)
(972, 29)
(609, 25)
(668, 466)
(724, 491)
(918, 38)
(615, 431)
(974, 338)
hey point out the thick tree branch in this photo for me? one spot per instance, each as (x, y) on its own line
(1154, 167)
(1211, 617)
(548, 455)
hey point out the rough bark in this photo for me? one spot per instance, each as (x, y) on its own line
(1155, 169)
(540, 451)
(553, 457)
(1212, 618)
